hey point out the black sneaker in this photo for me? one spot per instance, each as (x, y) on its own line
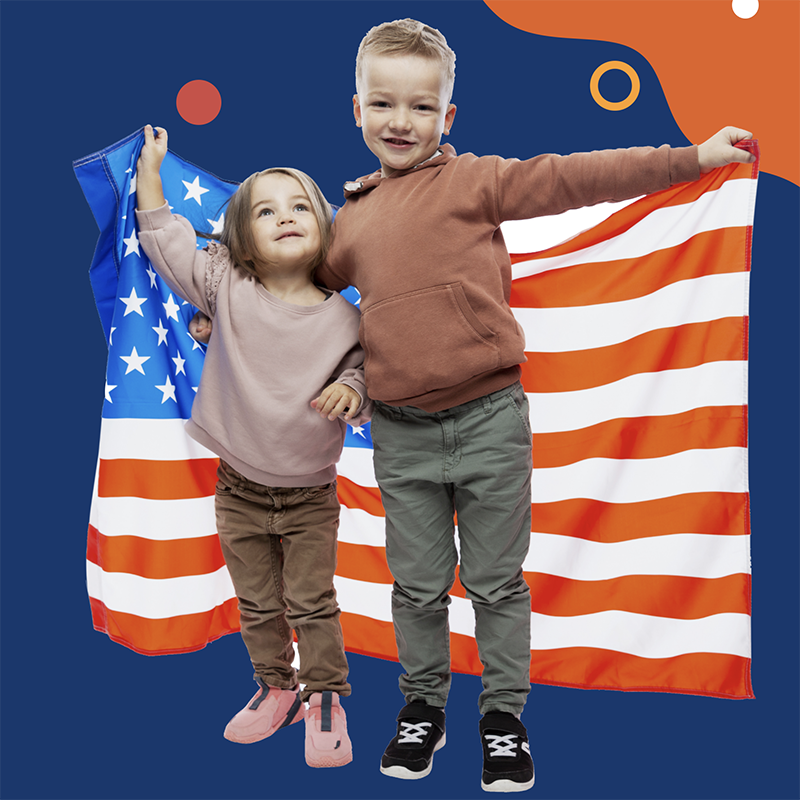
(420, 733)
(507, 763)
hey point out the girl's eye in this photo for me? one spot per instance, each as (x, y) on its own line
(300, 207)
(264, 212)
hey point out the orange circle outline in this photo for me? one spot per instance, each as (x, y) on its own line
(594, 85)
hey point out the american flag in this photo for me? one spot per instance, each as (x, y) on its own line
(637, 377)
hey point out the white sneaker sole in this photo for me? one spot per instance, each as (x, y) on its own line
(506, 786)
(405, 774)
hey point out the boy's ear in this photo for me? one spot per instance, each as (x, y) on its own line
(357, 110)
(448, 119)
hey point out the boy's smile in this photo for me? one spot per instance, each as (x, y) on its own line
(403, 108)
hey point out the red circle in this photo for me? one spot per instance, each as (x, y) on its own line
(199, 102)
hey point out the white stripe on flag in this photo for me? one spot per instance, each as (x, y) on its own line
(637, 634)
(149, 439)
(159, 598)
(558, 330)
(721, 469)
(160, 520)
(690, 555)
(718, 383)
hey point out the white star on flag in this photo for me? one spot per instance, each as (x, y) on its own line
(359, 430)
(152, 275)
(168, 390)
(217, 224)
(133, 303)
(131, 245)
(111, 336)
(195, 344)
(109, 389)
(162, 333)
(194, 190)
(171, 308)
(179, 362)
(133, 183)
(134, 361)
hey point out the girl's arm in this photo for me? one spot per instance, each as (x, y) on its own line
(149, 191)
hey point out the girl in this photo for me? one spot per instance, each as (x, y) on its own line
(282, 371)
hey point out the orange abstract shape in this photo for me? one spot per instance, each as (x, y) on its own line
(715, 69)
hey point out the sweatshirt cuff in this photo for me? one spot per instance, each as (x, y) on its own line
(154, 218)
(684, 164)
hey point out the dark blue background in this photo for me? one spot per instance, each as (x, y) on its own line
(83, 717)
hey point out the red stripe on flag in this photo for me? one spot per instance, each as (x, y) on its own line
(351, 495)
(157, 480)
(681, 347)
(644, 437)
(154, 637)
(721, 513)
(154, 559)
(710, 674)
(709, 253)
(362, 562)
(656, 595)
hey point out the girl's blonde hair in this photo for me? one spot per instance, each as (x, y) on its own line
(237, 231)
(407, 37)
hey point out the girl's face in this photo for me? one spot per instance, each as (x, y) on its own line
(285, 229)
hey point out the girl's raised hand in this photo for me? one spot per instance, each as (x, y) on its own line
(149, 191)
(335, 399)
(154, 149)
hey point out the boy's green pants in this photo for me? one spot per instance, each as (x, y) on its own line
(475, 460)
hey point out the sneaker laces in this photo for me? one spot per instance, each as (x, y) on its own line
(501, 745)
(411, 732)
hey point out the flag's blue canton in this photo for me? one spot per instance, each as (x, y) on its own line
(154, 365)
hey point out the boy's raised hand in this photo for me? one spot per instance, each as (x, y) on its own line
(719, 150)
(334, 399)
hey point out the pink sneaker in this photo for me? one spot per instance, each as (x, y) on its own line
(269, 709)
(327, 742)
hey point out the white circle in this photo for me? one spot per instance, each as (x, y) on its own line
(744, 9)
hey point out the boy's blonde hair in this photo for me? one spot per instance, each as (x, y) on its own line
(237, 231)
(407, 37)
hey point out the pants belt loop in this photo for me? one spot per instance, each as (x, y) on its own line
(487, 404)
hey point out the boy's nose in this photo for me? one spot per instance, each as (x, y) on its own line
(401, 121)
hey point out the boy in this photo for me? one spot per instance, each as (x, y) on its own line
(420, 239)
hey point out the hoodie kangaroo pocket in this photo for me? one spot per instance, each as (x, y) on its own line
(424, 340)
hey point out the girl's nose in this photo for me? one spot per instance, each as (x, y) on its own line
(285, 217)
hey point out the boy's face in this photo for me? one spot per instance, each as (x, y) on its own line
(403, 109)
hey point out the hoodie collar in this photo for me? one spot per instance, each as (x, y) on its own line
(445, 153)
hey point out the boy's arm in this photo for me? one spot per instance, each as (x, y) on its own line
(549, 184)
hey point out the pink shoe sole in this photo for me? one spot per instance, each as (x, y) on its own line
(269, 710)
(327, 742)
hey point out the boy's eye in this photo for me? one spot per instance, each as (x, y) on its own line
(380, 104)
